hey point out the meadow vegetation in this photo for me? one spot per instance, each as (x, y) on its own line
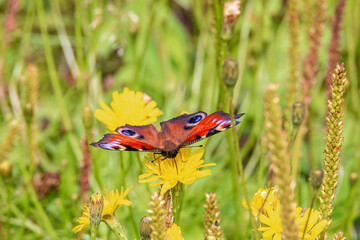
(72, 71)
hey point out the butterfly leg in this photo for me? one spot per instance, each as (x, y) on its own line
(157, 158)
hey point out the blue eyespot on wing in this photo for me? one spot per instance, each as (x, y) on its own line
(208, 126)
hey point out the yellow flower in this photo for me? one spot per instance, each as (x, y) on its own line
(112, 201)
(272, 229)
(259, 197)
(271, 221)
(314, 227)
(128, 107)
(174, 233)
(183, 168)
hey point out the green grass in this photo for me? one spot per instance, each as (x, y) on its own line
(169, 52)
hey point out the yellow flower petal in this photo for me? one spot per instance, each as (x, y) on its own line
(271, 221)
(174, 233)
(127, 107)
(112, 201)
(183, 168)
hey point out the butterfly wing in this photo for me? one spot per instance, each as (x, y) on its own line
(131, 138)
(190, 128)
(198, 127)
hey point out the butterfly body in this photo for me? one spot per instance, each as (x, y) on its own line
(175, 133)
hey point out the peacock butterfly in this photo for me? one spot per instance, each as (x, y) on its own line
(175, 133)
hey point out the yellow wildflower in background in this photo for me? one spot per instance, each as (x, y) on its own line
(174, 233)
(186, 170)
(112, 201)
(259, 198)
(272, 229)
(128, 107)
(314, 227)
(270, 219)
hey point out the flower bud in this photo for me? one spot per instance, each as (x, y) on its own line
(145, 228)
(96, 205)
(6, 169)
(316, 178)
(87, 117)
(298, 113)
(230, 72)
(354, 176)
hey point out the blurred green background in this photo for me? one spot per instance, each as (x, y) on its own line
(85, 50)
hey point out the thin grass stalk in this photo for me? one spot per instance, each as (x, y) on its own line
(230, 77)
(333, 140)
(55, 82)
(79, 43)
(31, 106)
(5, 42)
(123, 183)
(353, 199)
(293, 74)
(51, 66)
(219, 50)
(235, 142)
(33, 198)
(142, 42)
(316, 178)
(334, 48)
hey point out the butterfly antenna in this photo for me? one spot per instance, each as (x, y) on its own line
(155, 159)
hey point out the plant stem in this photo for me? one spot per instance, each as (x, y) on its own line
(116, 227)
(176, 193)
(239, 162)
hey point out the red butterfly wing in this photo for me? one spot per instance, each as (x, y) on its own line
(190, 128)
(199, 127)
(131, 138)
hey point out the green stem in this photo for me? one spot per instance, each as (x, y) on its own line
(235, 185)
(176, 193)
(51, 66)
(96, 168)
(55, 82)
(311, 207)
(123, 179)
(239, 161)
(115, 227)
(142, 43)
(33, 197)
(79, 43)
(93, 231)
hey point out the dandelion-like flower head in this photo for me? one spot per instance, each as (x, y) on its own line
(183, 168)
(112, 201)
(128, 107)
(271, 221)
(268, 194)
